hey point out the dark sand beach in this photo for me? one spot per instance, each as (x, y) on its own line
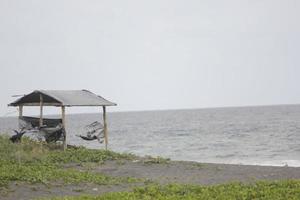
(163, 173)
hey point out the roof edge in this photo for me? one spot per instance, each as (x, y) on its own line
(59, 102)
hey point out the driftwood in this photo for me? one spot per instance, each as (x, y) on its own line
(94, 132)
(17, 137)
(52, 129)
(89, 138)
(53, 134)
(33, 122)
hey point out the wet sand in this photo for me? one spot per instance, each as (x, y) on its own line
(163, 173)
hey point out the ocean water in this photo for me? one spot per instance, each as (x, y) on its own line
(266, 135)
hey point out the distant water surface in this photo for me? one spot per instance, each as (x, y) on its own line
(266, 135)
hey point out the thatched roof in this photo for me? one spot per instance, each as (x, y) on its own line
(62, 98)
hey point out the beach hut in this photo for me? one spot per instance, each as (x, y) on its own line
(63, 99)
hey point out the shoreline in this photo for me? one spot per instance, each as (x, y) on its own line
(34, 170)
(277, 163)
(189, 172)
(152, 172)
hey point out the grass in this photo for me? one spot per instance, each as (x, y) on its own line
(156, 160)
(30, 151)
(46, 173)
(198, 166)
(36, 162)
(280, 190)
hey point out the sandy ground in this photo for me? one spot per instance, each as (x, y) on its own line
(175, 171)
(197, 173)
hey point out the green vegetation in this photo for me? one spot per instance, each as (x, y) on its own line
(156, 160)
(37, 162)
(30, 151)
(235, 191)
(198, 166)
(46, 173)
(83, 155)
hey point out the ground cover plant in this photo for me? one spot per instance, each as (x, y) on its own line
(277, 190)
(37, 162)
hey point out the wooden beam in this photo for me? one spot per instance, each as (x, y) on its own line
(20, 111)
(41, 110)
(38, 104)
(20, 115)
(63, 117)
(105, 127)
(55, 104)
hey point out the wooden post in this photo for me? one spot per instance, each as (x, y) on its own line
(20, 115)
(41, 111)
(20, 111)
(105, 127)
(63, 114)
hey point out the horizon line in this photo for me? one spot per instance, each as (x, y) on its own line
(176, 109)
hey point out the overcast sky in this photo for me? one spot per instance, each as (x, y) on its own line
(153, 54)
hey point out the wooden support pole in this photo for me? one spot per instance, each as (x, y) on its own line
(41, 111)
(105, 127)
(63, 117)
(20, 115)
(20, 111)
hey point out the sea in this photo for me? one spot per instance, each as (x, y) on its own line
(263, 135)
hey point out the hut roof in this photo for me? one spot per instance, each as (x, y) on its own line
(62, 98)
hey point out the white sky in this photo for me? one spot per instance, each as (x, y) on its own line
(154, 54)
